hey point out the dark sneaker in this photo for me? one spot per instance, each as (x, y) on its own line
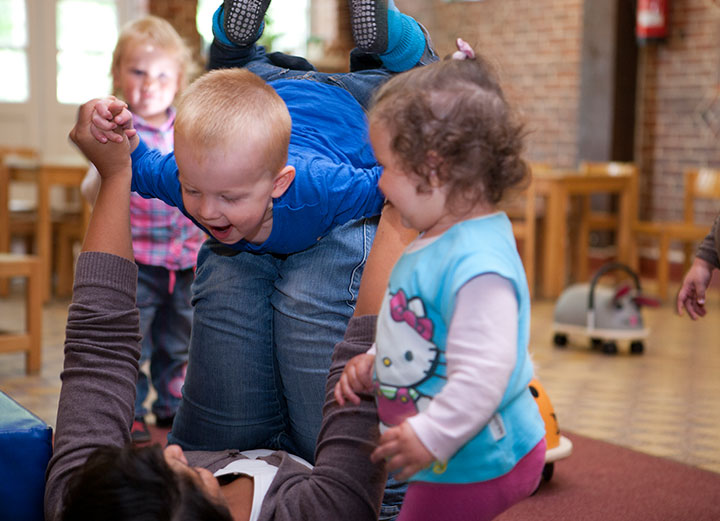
(369, 23)
(164, 422)
(243, 20)
(139, 433)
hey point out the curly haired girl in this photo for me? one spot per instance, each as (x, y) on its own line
(450, 365)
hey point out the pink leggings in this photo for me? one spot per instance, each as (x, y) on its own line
(475, 501)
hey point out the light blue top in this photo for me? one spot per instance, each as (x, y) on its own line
(336, 171)
(422, 292)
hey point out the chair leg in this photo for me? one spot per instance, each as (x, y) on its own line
(663, 267)
(688, 255)
(65, 270)
(528, 258)
(33, 318)
(583, 239)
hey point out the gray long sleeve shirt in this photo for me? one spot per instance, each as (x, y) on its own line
(102, 348)
(708, 249)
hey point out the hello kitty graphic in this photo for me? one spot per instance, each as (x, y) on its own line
(406, 357)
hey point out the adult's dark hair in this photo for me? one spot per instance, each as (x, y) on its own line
(135, 483)
(450, 119)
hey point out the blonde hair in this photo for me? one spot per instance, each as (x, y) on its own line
(233, 107)
(159, 32)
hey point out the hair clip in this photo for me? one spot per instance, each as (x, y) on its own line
(464, 52)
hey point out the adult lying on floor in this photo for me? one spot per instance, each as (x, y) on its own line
(95, 472)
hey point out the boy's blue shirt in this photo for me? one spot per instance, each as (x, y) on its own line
(336, 171)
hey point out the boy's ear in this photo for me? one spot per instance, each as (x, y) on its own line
(283, 180)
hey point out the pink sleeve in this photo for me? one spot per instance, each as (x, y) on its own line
(481, 353)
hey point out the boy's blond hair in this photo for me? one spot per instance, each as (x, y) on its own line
(235, 108)
(159, 32)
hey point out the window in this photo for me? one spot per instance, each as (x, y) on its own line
(13, 51)
(84, 49)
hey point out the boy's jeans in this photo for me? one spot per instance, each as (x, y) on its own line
(263, 334)
(366, 71)
(165, 322)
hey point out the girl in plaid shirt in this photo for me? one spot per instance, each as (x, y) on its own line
(150, 65)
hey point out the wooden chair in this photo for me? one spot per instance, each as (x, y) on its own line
(67, 222)
(590, 220)
(6, 231)
(28, 266)
(700, 183)
(521, 208)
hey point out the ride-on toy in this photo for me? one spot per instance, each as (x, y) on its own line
(605, 315)
(557, 445)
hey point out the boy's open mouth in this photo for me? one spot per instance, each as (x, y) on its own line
(220, 232)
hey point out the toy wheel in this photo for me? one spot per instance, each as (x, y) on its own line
(636, 347)
(547, 472)
(560, 340)
(609, 348)
(596, 343)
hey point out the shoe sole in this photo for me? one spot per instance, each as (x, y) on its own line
(368, 21)
(243, 19)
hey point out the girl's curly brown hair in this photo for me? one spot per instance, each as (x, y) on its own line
(451, 119)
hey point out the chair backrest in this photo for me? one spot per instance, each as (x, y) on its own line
(24, 152)
(520, 205)
(615, 169)
(700, 183)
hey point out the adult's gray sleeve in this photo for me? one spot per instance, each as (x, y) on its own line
(102, 348)
(708, 249)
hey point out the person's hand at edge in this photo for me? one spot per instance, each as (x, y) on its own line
(691, 296)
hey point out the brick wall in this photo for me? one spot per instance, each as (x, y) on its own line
(536, 48)
(679, 108)
(181, 14)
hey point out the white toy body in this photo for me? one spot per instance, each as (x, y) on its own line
(604, 314)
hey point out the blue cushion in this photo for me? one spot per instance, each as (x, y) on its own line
(25, 449)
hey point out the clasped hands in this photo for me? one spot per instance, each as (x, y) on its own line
(105, 135)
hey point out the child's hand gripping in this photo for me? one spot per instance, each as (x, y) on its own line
(356, 378)
(110, 120)
(403, 451)
(692, 292)
(102, 132)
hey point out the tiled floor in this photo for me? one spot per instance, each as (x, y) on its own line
(665, 402)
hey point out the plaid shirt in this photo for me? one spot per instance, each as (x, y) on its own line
(161, 234)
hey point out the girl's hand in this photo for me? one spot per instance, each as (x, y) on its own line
(403, 451)
(356, 378)
(692, 293)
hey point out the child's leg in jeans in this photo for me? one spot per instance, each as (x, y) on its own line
(313, 300)
(171, 337)
(231, 397)
(148, 301)
(474, 501)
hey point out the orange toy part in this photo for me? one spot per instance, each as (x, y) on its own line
(552, 429)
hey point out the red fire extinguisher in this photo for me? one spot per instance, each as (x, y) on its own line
(652, 21)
